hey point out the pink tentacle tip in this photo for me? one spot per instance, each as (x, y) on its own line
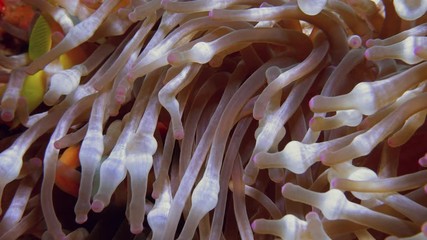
(120, 94)
(98, 85)
(80, 219)
(369, 43)
(254, 225)
(311, 103)
(311, 122)
(57, 144)
(391, 143)
(136, 228)
(285, 189)
(131, 76)
(334, 183)
(423, 161)
(324, 155)
(355, 42)
(424, 229)
(374, 70)
(155, 194)
(133, 16)
(7, 115)
(173, 58)
(258, 115)
(97, 206)
(255, 159)
(311, 216)
(368, 54)
(178, 134)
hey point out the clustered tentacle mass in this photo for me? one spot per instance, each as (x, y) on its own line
(150, 119)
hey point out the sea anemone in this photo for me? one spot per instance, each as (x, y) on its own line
(237, 119)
